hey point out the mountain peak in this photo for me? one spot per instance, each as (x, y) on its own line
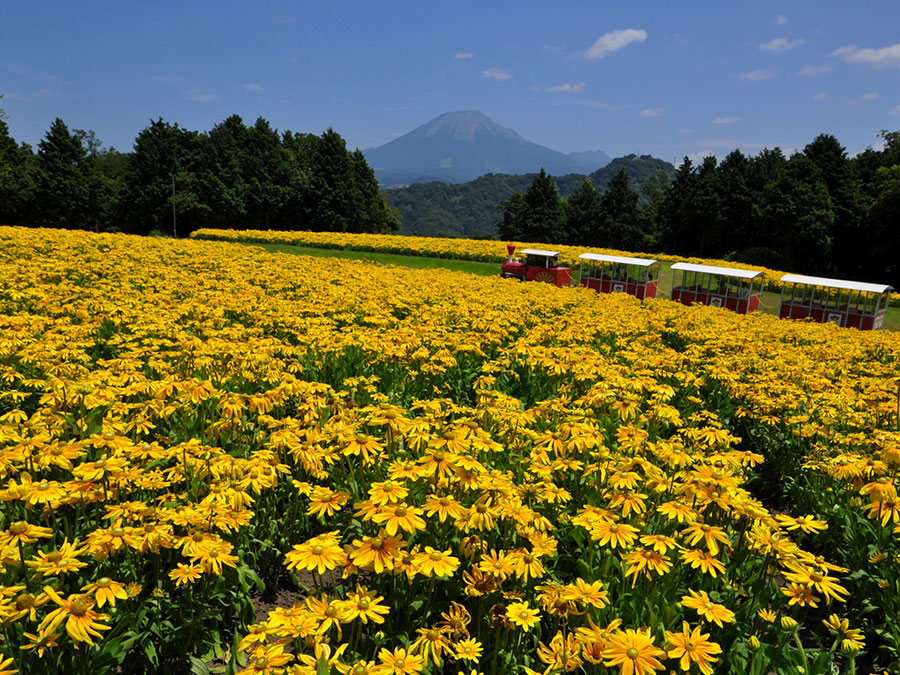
(460, 146)
(463, 125)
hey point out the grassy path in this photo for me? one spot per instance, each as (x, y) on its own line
(770, 300)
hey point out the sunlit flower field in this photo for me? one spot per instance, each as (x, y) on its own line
(215, 458)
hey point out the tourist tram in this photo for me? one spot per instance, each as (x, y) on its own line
(538, 266)
(619, 274)
(735, 289)
(851, 304)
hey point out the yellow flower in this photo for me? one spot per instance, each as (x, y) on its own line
(692, 646)
(523, 616)
(432, 562)
(364, 605)
(82, 622)
(185, 574)
(398, 662)
(633, 651)
(39, 642)
(706, 608)
(320, 553)
(377, 552)
(468, 650)
(399, 516)
(614, 534)
(106, 590)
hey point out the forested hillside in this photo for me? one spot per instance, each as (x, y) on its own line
(471, 209)
(817, 211)
(233, 176)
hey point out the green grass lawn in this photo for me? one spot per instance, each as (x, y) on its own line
(771, 301)
(410, 261)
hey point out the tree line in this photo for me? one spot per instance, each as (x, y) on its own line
(176, 180)
(438, 209)
(816, 212)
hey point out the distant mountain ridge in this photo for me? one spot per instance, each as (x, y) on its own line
(470, 209)
(460, 146)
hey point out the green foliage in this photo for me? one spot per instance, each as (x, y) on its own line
(68, 183)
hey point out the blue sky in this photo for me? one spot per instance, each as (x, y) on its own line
(667, 78)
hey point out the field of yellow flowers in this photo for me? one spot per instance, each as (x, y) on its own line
(214, 457)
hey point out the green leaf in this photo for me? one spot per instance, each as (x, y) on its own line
(198, 667)
(150, 653)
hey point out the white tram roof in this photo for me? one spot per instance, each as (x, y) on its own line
(537, 251)
(721, 271)
(642, 262)
(835, 283)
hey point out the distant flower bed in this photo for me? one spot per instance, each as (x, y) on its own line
(458, 249)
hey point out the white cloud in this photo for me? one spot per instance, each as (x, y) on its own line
(568, 88)
(685, 131)
(201, 96)
(726, 120)
(781, 44)
(821, 96)
(870, 97)
(497, 74)
(252, 86)
(816, 70)
(781, 20)
(757, 75)
(896, 111)
(613, 41)
(880, 58)
(652, 112)
(463, 55)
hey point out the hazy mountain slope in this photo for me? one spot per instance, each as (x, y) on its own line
(460, 146)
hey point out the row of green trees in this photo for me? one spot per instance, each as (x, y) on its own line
(817, 211)
(177, 180)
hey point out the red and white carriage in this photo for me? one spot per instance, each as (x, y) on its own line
(538, 266)
(735, 289)
(619, 274)
(851, 304)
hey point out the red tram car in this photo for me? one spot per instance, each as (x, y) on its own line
(619, 274)
(735, 289)
(851, 304)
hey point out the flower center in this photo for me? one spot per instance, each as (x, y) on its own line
(78, 608)
(364, 604)
(318, 550)
(17, 528)
(25, 601)
(435, 556)
(104, 582)
(632, 653)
